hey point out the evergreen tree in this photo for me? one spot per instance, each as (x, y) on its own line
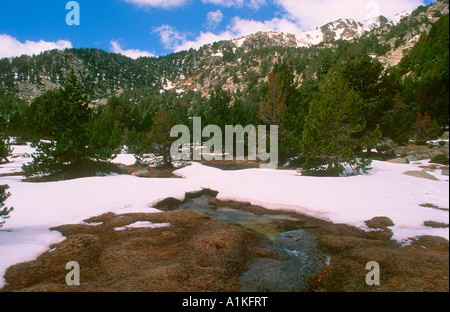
(428, 87)
(73, 149)
(217, 108)
(4, 211)
(333, 129)
(155, 143)
(425, 129)
(273, 105)
(5, 146)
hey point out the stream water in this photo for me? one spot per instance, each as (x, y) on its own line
(298, 259)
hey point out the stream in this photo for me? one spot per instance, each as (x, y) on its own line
(299, 258)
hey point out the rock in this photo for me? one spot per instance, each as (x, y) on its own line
(386, 145)
(141, 172)
(411, 158)
(444, 172)
(421, 174)
(122, 169)
(168, 203)
(445, 136)
(399, 161)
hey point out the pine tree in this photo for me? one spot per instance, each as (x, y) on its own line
(273, 105)
(5, 146)
(147, 145)
(74, 149)
(425, 128)
(4, 211)
(332, 134)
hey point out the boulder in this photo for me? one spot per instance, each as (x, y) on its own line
(386, 145)
(421, 174)
(122, 169)
(141, 172)
(400, 160)
(411, 158)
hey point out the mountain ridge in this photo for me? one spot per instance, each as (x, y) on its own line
(225, 63)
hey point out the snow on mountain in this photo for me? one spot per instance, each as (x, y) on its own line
(341, 29)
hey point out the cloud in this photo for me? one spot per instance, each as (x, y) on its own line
(10, 46)
(132, 53)
(170, 37)
(163, 4)
(243, 27)
(309, 14)
(252, 4)
(213, 19)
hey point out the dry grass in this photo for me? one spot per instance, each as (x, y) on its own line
(199, 254)
(194, 254)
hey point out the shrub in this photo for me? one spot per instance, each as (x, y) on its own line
(4, 211)
(440, 159)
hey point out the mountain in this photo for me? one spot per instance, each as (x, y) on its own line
(235, 65)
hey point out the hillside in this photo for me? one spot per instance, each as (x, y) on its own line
(234, 64)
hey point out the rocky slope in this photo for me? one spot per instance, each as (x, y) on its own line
(234, 64)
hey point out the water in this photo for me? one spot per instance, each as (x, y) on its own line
(298, 259)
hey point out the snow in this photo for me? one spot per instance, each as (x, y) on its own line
(309, 38)
(398, 17)
(240, 42)
(141, 225)
(126, 159)
(169, 85)
(385, 191)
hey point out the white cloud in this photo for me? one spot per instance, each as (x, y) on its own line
(170, 37)
(310, 14)
(213, 19)
(252, 4)
(132, 53)
(10, 46)
(243, 27)
(164, 4)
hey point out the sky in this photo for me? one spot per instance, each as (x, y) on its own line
(159, 27)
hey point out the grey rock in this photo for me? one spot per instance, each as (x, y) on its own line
(421, 174)
(140, 172)
(399, 161)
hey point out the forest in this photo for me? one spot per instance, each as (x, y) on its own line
(333, 104)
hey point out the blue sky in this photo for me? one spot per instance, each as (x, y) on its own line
(158, 27)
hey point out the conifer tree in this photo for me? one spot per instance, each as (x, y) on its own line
(5, 146)
(74, 148)
(4, 211)
(333, 129)
(273, 105)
